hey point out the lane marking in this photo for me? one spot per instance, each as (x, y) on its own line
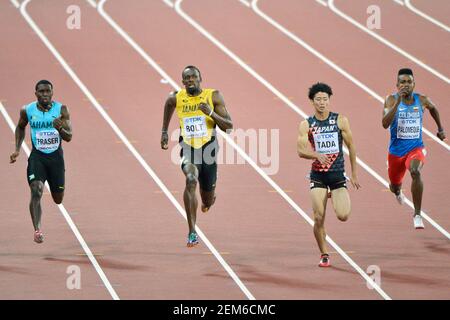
(365, 88)
(386, 42)
(125, 140)
(287, 101)
(425, 16)
(66, 215)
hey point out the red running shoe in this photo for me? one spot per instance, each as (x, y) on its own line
(38, 236)
(324, 261)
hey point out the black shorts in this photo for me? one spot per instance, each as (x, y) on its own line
(205, 161)
(328, 180)
(47, 167)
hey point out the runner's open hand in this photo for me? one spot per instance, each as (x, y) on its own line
(205, 108)
(323, 159)
(354, 181)
(13, 157)
(164, 140)
(58, 123)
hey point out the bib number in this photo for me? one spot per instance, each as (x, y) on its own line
(408, 129)
(195, 127)
(327, 143)
(47, 140)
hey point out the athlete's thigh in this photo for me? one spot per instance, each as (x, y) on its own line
(56, 176)
(341, 201)
(36, 169)
(319, 197)
(208, 177)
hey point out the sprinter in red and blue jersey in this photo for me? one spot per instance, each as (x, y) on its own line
(403, 114)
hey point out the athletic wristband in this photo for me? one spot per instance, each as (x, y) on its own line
(211, 112)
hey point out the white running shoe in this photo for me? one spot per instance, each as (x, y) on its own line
(418, 223)
(400, 198)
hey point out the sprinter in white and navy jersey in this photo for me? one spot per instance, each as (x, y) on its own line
(50, 123)
(403, 114)
(320, 139)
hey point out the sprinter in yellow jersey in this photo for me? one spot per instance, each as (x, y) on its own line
(199, 111)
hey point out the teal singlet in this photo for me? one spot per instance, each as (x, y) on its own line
(44, 136)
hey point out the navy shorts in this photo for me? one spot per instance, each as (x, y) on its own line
(47, 167)
(328, 180)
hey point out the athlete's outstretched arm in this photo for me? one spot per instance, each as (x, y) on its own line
(304, 149)
(344, 125)
(63, 124)
(426, 102)
(220, 114)
(169, 108)
(390, 108)
(19, 134)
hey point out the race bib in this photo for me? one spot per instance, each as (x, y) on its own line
(47, 140)
(195, 127)
(408, 128)
(327, 143)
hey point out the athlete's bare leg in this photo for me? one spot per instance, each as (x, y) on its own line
(341, 203)
(395, 188)
(208, 199)
(58, 197)
(37, 189)
(189, 196)
(319, 197)
(417, 185)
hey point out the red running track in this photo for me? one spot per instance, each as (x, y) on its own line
(126, 219)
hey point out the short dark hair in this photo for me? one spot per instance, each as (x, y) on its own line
(192, 67)
(42, 82)
(405, 71)
(319, 87)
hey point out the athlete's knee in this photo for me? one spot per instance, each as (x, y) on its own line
(318, 220)
(58, 197)
(191, 181)
(395, 188)
(415, 173)
(37, 189)
(343, 216)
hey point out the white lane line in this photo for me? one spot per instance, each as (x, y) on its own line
(92, 3)
(400, 2)
(287, 101)
(69, 220)
(386, 42)
(169, 3)
(410, 6)
(245, 3)
(125, 140)
(15, 3)
(333, 65)
(357, 82)
(322, 2)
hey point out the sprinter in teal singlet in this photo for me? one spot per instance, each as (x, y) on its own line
(49, 122)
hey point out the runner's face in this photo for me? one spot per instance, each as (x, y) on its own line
(44, 94)
(321, 101)
(405, 83)
(191, 80)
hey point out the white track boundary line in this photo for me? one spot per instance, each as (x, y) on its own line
(127, 143)
(291, 104)
(253, 164)
(386, 42)
(357, 82)
(399, 2)
(322, 2)
(333, 65)
(15, 3)
(410, 6)
(238, 149)
(69, 220)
